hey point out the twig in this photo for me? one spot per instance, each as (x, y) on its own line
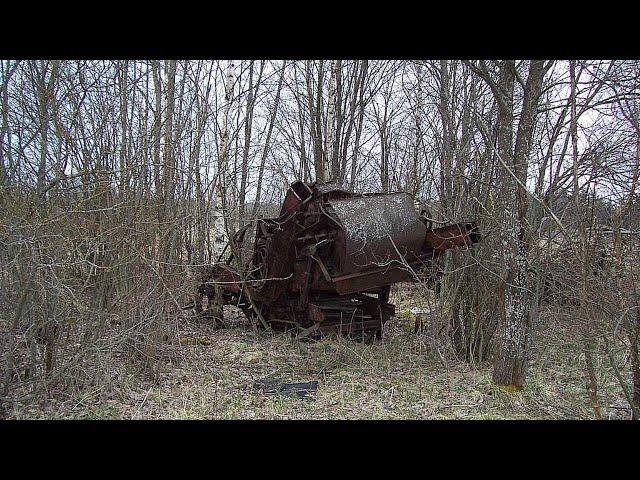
(143, 400)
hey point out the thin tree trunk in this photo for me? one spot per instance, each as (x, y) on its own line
(315, 111)
(45, 93)
(446, 162)
(267, 143)
(248, 123)
(124, 160)
(6, 165)
(157, 126)
(336, 173)
(356, 147)
(352, 118)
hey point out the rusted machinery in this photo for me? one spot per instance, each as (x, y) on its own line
(327, 263)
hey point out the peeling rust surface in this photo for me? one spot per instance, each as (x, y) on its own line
(380, 230)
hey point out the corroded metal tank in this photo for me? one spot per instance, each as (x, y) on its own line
(327, 263)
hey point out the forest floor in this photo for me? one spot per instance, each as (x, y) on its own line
(404, 376)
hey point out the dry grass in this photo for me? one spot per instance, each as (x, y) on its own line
(406, 376)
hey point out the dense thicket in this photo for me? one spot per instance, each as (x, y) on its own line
(119, 178)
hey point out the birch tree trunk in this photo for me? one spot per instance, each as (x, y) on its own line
(214, 309)
(219, 223)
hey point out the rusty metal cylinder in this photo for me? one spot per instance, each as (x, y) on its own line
(379, 234)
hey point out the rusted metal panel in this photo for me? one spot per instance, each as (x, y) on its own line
(297, 194)
(452, 236)
(371, 279)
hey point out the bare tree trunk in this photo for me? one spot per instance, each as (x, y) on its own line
(5, 166)
(219, 222)
(352, 117)
(267, 143)
(215, 310)
(414, 182)
(45, 94)
(511, 359)
(329, 129)
(169, 160)
(223, 160)
(634, 340)
(356, 147)
(446, 162)
(248, 123)
(315, 112)
(157, 126)
(336, 173)
(588, 344)
(124, 160)
(305, 172)
(382, 120)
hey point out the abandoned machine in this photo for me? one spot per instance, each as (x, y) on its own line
(328, 261)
